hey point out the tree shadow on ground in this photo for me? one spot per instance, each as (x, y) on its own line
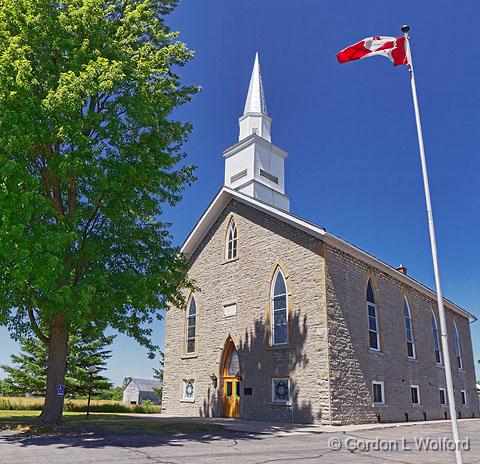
(98, 437)
(257, 360)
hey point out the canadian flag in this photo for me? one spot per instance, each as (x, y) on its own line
(391, 47)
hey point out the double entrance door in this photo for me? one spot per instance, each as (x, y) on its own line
(231, 396)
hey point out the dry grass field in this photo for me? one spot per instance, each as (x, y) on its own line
(71, 405)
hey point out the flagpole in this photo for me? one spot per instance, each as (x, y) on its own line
(433, 244)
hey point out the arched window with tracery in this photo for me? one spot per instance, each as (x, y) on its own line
(373, 325)
(409, 329)
(231, 249)
(191, 326)
(279, 309)
(436, 340)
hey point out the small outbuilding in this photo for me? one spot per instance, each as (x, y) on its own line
(139, 390)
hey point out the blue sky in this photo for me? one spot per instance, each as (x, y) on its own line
(350, 130)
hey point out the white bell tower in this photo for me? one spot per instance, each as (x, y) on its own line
(254, 165)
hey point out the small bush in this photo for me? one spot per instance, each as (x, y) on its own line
(36, 404)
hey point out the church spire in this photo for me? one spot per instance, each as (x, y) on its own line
(255, 102)
(255, 119)
(254, 165)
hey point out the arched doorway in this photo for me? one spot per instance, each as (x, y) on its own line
(231, 382)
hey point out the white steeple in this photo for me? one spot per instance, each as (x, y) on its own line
(254, 165)
(255, 98)
(255, 118)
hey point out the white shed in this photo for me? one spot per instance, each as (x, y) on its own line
(139, 390)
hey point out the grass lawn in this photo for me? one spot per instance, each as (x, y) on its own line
(75, 422)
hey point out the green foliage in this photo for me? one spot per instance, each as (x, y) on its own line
(125, 382)
(113, 393)
(27, 374)
(7, 388)
(89, 158)
(158, 374)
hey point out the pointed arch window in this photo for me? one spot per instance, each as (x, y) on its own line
(373, 326)
(436, 340)
(233, 366)
(232, 241)
(409, 329)
(191, 326)
(458, 347)
(279, 309)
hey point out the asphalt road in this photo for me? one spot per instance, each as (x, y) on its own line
(229, 446)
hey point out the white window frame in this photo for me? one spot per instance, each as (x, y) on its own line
(409, 321)
(382, 385)
(184, 384)
(272, 307)
(289, 390)
(458, 347)
(463, 395)
(232, 238)
(376, 332)
(187, 325)
(418, 395)
(436, 339)
(444, 395)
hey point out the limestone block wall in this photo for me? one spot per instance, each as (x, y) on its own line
(354, 366)
(264, 243)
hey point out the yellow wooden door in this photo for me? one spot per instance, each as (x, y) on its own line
(231, 397)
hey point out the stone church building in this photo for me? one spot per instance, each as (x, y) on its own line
(291, 323)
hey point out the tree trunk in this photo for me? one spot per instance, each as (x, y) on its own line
(57, 357)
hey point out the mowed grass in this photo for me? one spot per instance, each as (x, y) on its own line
(74, 422)
(105, 406)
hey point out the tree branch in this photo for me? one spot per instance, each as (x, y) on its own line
(72, 194)
(36, 328)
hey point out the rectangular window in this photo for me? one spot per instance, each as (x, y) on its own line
(189, 390)
(443, 396)
(463, 394)
(409, 330)
(415, 394)
(281, 390)
(374, 338)
(458, 348)
(191, 334)
(229, 391)
(191, 323)
(436, 340)
(410, 350)
(229, 309)
(378, 392)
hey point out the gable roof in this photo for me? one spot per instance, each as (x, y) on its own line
(146, 385)
(225, 195)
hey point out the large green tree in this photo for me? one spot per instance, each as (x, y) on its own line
(28, 369)
(89, 157)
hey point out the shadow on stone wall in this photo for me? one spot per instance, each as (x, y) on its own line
(259, 363)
